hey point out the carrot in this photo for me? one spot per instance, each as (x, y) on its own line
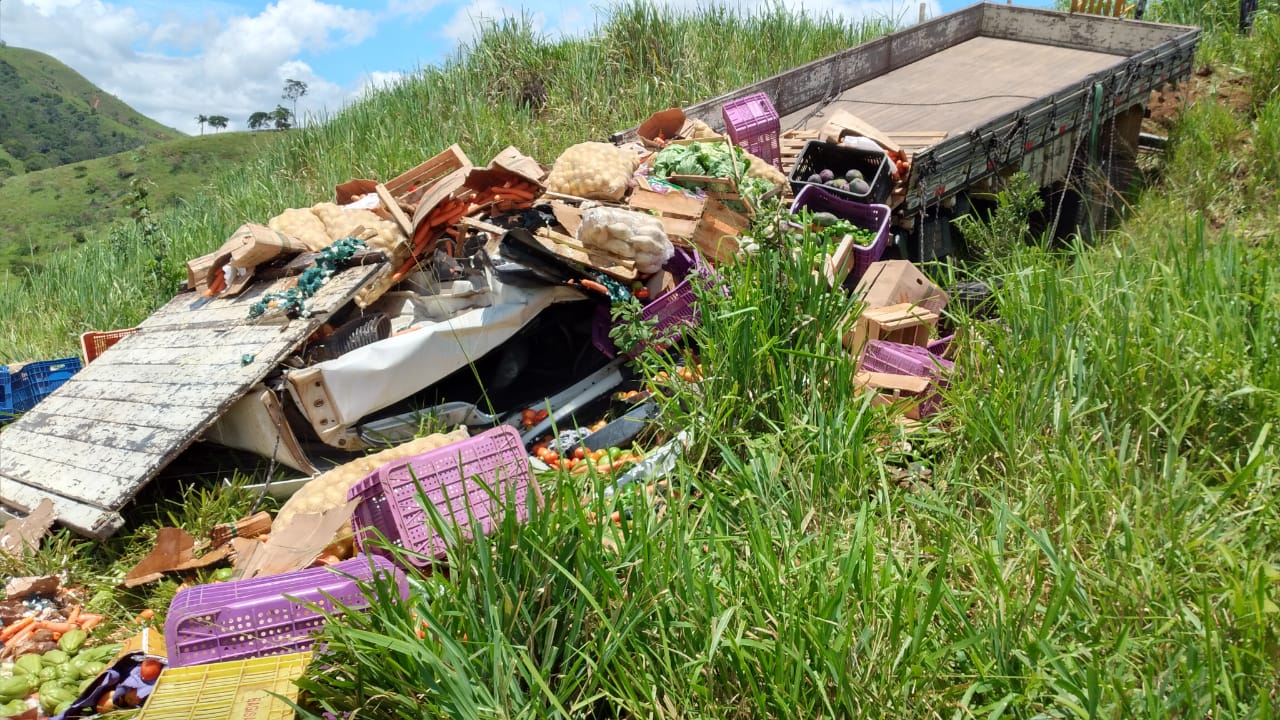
(218, 285)
(13, 628)
(57, 627)
(148, 613)
(452, 217)
(512, 193)
(74, 615)
(21, 636)
(89, 621)
(438, 212)
(593, 285)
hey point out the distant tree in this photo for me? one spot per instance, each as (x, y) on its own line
(218, 122)
(294, 89)
(202, 119)
(259, 120)
(282, 118)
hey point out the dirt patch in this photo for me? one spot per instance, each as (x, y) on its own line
(1166, 103)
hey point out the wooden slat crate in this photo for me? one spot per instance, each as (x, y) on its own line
(409, 185)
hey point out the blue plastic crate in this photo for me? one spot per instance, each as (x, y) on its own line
(6, 394)
(36, 380)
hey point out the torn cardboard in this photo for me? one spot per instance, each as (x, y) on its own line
(294, 547)
(248, 247)
(506, 165)
(892, 282)
(174, 551)
(20, 588)
(22, 535)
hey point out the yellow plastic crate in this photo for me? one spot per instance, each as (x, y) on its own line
(234, 690)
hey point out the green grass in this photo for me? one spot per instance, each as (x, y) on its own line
(593, 88)
(1089, 529)
(53, 116)
(50, 211)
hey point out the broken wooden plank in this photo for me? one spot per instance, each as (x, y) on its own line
(96, 521)
(111, 428)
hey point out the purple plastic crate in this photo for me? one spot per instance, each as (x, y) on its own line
(36, 380)
(894, 358)
(255, 618)
(941, 345)
(753, 125)
(872, 217)
(472, 478)
(675, 309)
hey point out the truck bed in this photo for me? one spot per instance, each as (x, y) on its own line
(960, 88)
(1009, 86)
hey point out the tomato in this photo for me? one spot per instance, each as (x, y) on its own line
(540, 416)
(551, 458)
(642, 294)
(579, 453)
(150, 670)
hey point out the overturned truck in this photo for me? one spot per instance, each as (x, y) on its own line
(961, 100)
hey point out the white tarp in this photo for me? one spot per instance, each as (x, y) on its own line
(375, 376)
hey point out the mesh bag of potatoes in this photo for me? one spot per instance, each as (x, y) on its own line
(319, 226)
(329, 490)
(594, 170)
(627, 234)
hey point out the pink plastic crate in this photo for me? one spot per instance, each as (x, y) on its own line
(872, 217)
(674, 309)
(752, 124)
(898, 359)
(472, 479)
(941, 346)
(269, 615)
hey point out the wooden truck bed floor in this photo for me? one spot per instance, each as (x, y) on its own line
(1007, 74)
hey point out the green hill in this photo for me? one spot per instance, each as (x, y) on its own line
(50, 210)
(52, 116)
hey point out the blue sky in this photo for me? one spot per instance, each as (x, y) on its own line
(175, 60)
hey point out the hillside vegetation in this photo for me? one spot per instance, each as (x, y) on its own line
(49, 211)
(1091, 528)
(52, 116)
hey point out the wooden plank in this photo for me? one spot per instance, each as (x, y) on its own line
(99, 522)
(189, 394)
(406, 225)
(1082, 32)
(672, 203)
(220, 353)
(108, 430)
(623, 269)
(117, 435)
(78, 480)
(959, 89)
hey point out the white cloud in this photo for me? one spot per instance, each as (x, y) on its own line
(378, 80)
(230, 66)
(173, 61)
(468, 19)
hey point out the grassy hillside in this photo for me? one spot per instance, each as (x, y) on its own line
(52, 116)
(1091, 528)
(49, 211)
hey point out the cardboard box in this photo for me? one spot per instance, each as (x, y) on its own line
(893, 282)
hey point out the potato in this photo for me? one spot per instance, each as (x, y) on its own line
(329, 490)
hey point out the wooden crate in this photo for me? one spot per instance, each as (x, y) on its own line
(710, 225)
(904, 323)
(409, 186)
